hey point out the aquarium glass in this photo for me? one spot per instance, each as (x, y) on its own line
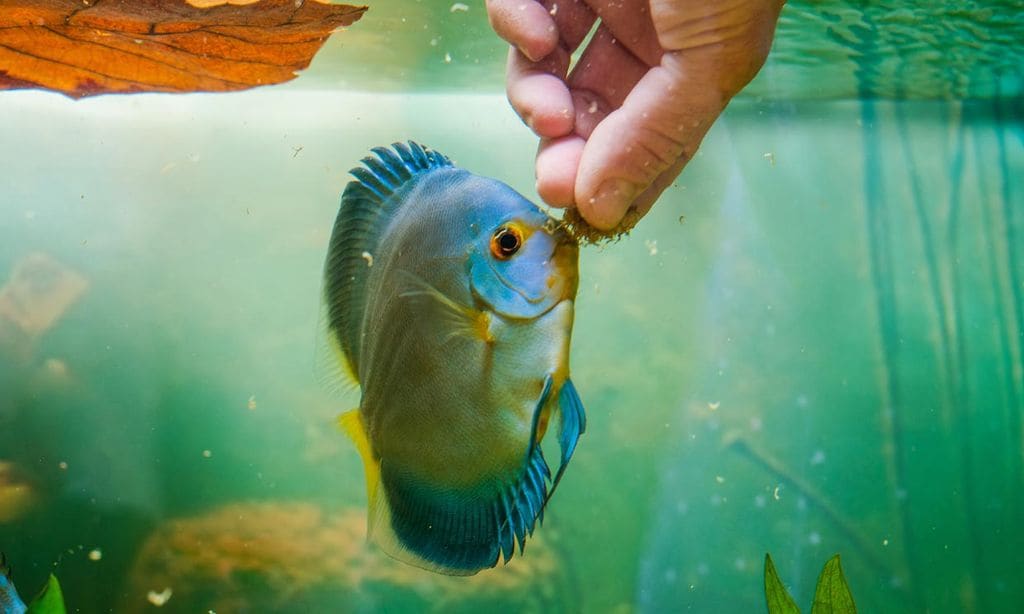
(813, 344)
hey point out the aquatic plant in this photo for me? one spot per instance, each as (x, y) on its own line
(832, 595)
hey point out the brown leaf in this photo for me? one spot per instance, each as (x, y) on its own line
(88, 47)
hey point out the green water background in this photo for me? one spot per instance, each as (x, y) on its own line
(813, 344)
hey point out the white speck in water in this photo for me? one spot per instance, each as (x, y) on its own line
(159, 599)
(720, 479)
(554, 9)
(818, 457)
(447, 58)
(95, 554)
(593, 107)
(652, 246)
(713, 405)
(251, 405)
(63, 465)
(459, 7)
(775, 493)
(770, 157)
(368, 257)
(433, 42)
(207, 453)
(814, 538)
(885, 542)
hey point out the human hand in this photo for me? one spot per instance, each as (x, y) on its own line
(656, 74)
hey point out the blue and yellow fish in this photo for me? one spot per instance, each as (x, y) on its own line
(449, 298)
(10, 602)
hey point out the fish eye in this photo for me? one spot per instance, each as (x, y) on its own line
(506, 242)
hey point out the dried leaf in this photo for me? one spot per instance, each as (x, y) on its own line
(833, 594)
(778, 598)
(88, 47)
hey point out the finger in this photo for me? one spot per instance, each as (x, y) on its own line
(573, 19)
(630, 23)
(643, 203)
(525, 24)
(602, 78)
(656, 129)
(557, 161)
(538, 93)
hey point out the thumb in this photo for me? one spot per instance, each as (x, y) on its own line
(642, 146)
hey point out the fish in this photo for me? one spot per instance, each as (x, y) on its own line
(10, 602)
(449, 300)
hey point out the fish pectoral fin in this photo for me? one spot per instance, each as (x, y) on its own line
(456, 320)
(351, 422)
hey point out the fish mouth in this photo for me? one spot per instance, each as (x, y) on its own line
(565, 261)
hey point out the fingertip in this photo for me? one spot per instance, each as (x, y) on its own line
(605, 207)
(557, 164)
(525, 24)
(541, 99)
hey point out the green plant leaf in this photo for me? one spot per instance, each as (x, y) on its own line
(779, 601)
(50, 600)
(833, 594)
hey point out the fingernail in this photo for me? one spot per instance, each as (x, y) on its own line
(609, 203)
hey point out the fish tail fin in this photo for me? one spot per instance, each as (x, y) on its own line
(460, 531)
(366, 209)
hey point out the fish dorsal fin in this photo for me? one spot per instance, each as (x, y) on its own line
(367, 205)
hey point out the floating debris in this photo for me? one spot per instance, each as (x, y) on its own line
(714, 405)
(159, 599)
(368, 257)
(39, 292)
(652, 246)
(459, 7)
(251, 405)
(770, 157)
(95, 554)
